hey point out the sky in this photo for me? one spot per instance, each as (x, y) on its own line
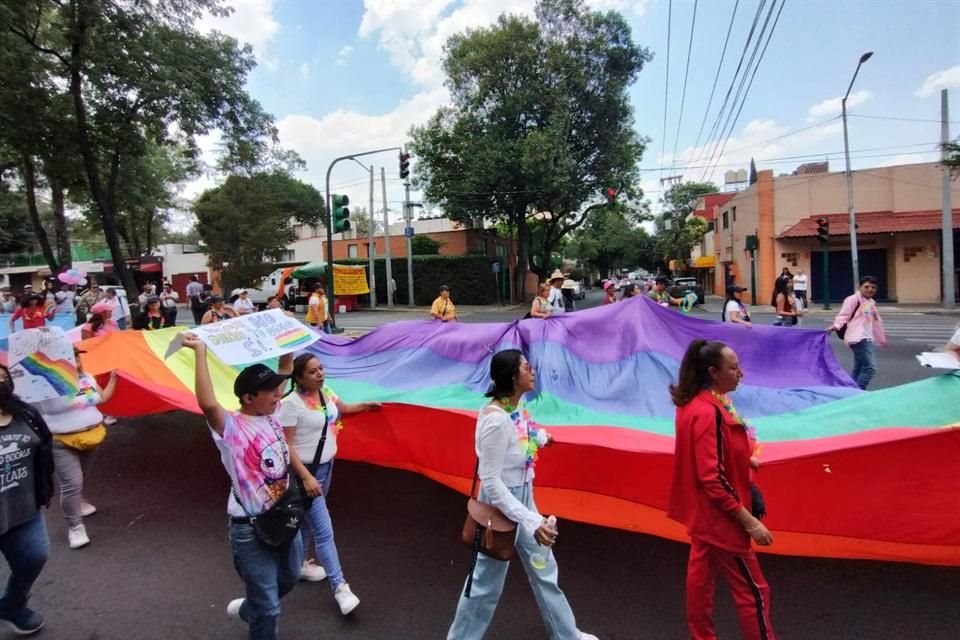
(347, 76)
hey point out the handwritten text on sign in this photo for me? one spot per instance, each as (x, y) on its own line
(255, 337)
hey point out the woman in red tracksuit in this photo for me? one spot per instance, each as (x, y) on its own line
(711, 493)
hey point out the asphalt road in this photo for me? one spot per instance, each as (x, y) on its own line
(159, 565)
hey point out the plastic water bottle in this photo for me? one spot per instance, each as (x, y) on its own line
(541, 555)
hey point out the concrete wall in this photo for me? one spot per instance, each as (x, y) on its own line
(184, 263)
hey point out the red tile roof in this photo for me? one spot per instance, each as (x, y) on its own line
(872, 222)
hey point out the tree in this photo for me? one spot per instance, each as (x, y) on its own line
(610, 240)
(246, 223)
(16, 234)
(425, 246)
(539, 128)
(137, 72)
(674, 240)
(360, 222)
(952, 160)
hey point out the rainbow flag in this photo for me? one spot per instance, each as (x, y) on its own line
(845, 473)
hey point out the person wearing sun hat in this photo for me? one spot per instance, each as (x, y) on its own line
(556, 293)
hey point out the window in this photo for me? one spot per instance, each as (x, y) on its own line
(481, 246)
(734, 209)
(352, 251)
(726, 219)
(287, 256)
(501, 251)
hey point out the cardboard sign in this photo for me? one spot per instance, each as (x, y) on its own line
(252, 338)
(42, 364)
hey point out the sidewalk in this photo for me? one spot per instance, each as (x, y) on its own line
(716, 302)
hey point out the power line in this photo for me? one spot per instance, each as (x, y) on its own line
(862, 115)
(733, 81)
(752, 76)
(686, 73)
(666, 84)
(717, 76)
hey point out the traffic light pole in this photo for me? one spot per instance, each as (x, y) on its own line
(826, 277)
(330, 290)
(408, 215)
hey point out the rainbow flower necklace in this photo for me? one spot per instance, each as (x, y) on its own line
(727, 403)
(526, 430)
(314, 403)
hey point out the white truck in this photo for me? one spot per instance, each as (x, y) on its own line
(270, 286)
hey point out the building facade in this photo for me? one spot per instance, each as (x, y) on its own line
(898, 232)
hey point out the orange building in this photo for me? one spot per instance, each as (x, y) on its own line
(898, 232)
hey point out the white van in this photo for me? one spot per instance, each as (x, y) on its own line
(270, 286)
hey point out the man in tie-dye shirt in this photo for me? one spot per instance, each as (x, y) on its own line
(255, 456)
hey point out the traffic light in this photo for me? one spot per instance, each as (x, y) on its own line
(823, 230)
(341, 215)
(611, 197)
(404, 165)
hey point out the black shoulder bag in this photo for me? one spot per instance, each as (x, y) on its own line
(842, 331)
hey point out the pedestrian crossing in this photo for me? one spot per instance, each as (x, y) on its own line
(369, 321)
(922, 330)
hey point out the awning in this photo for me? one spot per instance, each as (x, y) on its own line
(151, 267)
(704, 262)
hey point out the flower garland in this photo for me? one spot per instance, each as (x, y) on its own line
(531, 439)
(313, 403)
(727, 403)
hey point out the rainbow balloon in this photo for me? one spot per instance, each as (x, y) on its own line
(845, 473)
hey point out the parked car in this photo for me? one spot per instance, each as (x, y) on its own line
(682, 286)
(576, 287)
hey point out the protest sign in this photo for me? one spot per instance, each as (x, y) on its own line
(42, 364)
(252, 338)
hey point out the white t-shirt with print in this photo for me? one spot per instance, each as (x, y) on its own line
(255, 456)
(70, 414)
(556, 301)
(308, 422)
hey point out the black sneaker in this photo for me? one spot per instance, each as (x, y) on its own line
(25, 623)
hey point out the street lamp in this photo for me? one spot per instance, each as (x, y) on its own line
(846, 152)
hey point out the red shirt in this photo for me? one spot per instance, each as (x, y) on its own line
(711, 474)
(34, 318)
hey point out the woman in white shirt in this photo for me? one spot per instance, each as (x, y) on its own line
(78, 429)
(506, 444)
(733, 309)
(243, 305)
(310, 416)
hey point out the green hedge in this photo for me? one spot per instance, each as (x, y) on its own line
(470, 277)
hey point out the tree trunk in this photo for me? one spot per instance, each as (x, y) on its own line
(91, 163)
(60, 224)
(30, 182)
(523, 256)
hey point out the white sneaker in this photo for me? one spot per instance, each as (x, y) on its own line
(108, 420)
(233, 608)
(87, 509)
(587, 636)
(312, 572)
(345, 598)
(77, 536)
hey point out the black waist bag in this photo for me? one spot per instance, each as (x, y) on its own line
(279, 525)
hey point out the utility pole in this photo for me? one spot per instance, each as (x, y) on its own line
(949, 302)
(386, 239)
(408, 215)
(372, 248)
(851, 214)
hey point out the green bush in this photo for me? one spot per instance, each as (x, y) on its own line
(470, 278)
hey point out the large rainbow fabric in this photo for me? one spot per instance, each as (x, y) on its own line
(845, 473)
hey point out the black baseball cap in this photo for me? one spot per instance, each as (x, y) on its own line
(444, 287)
(662, 280)
(735, 289)
(256, 378)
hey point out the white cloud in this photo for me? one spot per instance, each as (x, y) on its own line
(414, 33)
(946, 79)
(251, 22)
(832, 106)
(637, 7)
(304, 71)
(343, 54)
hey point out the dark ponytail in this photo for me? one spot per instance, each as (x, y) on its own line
(504, 367)
(695, 369)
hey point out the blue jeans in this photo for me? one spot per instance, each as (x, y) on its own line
(864, 363)
(25, 548)
(321, 527)
(269, 574)
(474, 613)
